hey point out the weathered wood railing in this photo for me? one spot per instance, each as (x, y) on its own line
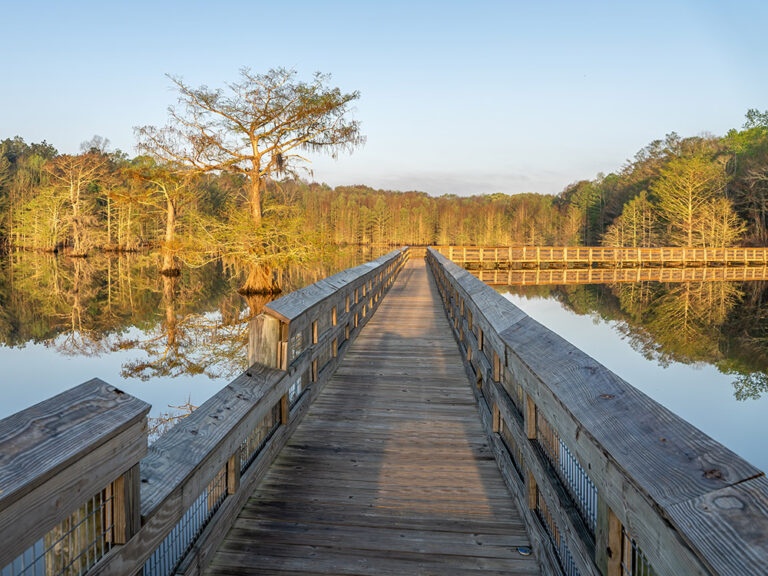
(165, 509)
(69, 479)
(608, 479)
(538, 276)
(599, 255)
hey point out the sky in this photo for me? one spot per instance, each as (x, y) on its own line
(456, 97)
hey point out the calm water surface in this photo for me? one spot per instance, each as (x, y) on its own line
(168, 341)
(698, 348)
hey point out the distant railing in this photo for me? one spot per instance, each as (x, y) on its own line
(599, 255)
(540, 276)
(80, 493)
(610, 482)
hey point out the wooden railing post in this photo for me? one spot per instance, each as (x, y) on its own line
(530, 432)
(530, 418)
(607, 540)
(264, 341)
(80, 448)
(233, 472)
(285, 409)
(126, 505)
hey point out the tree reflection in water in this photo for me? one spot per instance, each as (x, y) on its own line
(191, 324)
(197, 323)
(719, 323)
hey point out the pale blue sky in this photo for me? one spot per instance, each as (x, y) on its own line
(459, 97)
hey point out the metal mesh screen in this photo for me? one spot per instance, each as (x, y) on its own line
(561, 549)
(256, 440)
(167, 557)
(633, 561)
(573, 476)
(74, 545)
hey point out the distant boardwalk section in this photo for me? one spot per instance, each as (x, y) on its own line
(486, 256)
(548, 276)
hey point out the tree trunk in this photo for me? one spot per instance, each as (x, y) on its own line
(78, 248)
(254, 198)
(169, 267)
(169, 303)
(109, 222)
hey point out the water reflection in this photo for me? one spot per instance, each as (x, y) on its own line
(143, 326)
(719, 323)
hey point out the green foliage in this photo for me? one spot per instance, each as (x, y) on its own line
(700, 191)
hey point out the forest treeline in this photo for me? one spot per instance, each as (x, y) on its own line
(698, 191)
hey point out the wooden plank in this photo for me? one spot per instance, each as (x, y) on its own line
(264, 341)
(207, 438)
(37, 443)
(666, 455)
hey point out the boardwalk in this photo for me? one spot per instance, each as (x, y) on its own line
(390, 472)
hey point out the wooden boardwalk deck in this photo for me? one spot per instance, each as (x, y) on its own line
(390, 472)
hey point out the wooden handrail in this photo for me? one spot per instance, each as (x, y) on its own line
(600, 255)
(194, 472)
(538, 276)
(595, 464)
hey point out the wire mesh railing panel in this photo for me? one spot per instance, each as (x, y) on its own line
(298, 343)
(561, 549)
(575, 479)
(171, 551)
(253, 444)
(74, 545)
(298, 386)
(633, 561)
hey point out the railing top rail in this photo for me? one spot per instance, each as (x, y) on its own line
(560, 247)
(186, 447)
(293, 305)
(636, 448)
(37, 443)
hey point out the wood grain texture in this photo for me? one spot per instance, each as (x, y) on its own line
(737, 515)
(207, 438)
(57, 454)
(37, 443)
(390, 472)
